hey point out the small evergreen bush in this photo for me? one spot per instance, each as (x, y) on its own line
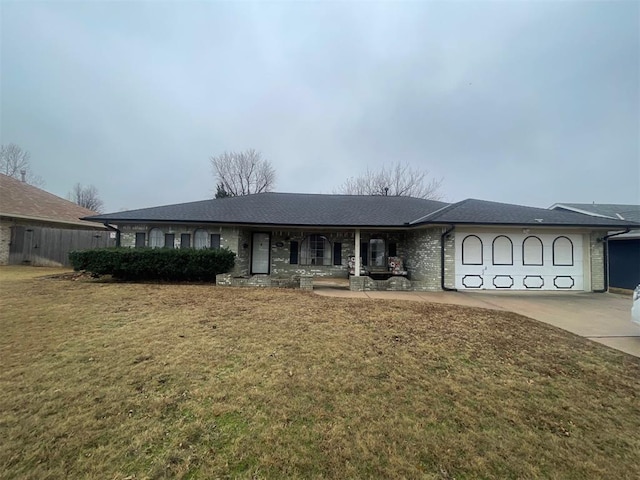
(154, 263)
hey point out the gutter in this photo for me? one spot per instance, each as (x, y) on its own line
(605, 256)
(442, 285)
(114, 229)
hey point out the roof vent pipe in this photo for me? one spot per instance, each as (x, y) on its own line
(23, 176)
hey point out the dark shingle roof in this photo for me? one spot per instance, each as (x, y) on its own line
(472, 211)
(288, 209)
(301, 209)
(612, 210)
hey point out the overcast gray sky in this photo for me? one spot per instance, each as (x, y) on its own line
(522, 102)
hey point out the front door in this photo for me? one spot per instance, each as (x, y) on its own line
(260, 253)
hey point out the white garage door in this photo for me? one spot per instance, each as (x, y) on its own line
(518, 261)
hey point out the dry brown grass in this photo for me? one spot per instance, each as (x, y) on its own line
(114, 381)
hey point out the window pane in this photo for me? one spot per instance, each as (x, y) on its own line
(377, 252)
(215, 240)
(169, 240)
(315, 250)
(156, 238)
(200, 239)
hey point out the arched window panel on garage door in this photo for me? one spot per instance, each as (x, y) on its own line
(532, 251)
(502, 250)
(156, 238)
(471, 250)
(562, 252)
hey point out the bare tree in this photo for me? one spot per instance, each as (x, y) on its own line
(16, 162)
(86, 197)
(396, 180)
(243, 173)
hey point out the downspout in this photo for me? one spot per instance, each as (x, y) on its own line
(605, 257)
(442, 238)
(114, 229)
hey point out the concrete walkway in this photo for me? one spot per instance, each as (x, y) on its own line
(601, 317)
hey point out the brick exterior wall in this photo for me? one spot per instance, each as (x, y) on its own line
(280, 266)
(230, 237)
(423, 258)
(5, 240)
(597, 260)
(420, 250)
(450, 260)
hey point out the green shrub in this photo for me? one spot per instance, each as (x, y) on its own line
(154, 263)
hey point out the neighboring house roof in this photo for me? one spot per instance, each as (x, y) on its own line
(288, 209)
(299, 209)
(611, 210)
(606, 210)
(24, 201)
(482, 212)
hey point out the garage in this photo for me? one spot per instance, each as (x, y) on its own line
(520, 259)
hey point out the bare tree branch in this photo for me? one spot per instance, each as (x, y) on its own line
(398, 179)
(86, 197)
(16, 163)
(243, 173)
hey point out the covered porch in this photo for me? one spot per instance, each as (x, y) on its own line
(369, 259)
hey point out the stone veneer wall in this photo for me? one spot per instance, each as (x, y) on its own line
(597, 260)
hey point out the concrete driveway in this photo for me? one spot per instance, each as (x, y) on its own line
(601, 317)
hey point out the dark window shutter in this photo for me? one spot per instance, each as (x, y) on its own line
(169, 240)
(393, 251)
(215, 241)
(364, 253)
(185, 240)
(293, 253)
(337, 253)
(140, 240)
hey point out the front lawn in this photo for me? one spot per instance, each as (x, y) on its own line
(115, 381)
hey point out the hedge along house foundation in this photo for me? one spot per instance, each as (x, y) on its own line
(380, 242)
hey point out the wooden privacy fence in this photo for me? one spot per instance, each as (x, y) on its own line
(46, 246)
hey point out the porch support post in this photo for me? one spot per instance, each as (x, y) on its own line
(357, 253)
